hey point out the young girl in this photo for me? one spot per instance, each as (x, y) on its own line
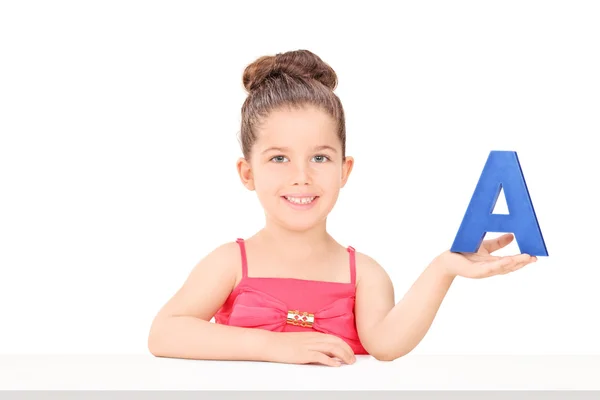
(290, 293)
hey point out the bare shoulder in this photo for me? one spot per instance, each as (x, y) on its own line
(208, 284)
(224, 263)
(224, 258)
(368, 270)
(228, 249)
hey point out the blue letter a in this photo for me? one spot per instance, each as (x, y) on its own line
(501, 171)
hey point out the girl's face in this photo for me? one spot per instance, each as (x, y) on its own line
(296, 167)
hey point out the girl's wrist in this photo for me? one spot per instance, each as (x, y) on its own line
(266, 345)
(443, 264)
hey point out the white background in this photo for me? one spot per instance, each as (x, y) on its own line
(119, 124)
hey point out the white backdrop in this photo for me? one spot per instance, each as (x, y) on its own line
(119, 123)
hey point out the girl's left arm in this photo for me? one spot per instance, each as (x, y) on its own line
(387, 330)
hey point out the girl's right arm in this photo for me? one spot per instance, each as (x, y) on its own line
(182, 328)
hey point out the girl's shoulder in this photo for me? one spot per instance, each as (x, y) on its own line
(224, 256)
(369, 269)
(223, 260)
(207, 286)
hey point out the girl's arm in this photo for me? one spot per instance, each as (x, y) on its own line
(390, 331)
(387, 330)
(182, 328)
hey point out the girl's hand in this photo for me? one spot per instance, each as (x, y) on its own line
(310, 348)
(482, 264)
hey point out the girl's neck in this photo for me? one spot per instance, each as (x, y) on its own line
(296, 244)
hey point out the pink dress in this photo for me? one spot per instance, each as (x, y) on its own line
(294, 305)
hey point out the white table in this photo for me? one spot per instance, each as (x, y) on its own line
(412, 372)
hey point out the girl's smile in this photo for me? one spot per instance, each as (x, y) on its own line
(303, 202)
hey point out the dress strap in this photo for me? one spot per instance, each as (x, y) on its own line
(240, 242)
(352, 252)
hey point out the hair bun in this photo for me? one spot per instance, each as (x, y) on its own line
(301, 64)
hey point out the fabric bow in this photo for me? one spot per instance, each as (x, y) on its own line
(254, 309)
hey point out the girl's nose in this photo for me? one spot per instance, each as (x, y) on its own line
(301, 174)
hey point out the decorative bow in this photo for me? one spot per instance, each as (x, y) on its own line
(254, 309)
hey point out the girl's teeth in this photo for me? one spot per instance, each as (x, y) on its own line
(300, 200)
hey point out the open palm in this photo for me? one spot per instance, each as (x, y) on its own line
(483, 264)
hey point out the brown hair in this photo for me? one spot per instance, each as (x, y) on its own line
(292, 79)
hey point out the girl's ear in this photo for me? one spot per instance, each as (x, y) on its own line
(346, 169)
(245, 172)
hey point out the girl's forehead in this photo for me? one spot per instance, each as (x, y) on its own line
(297, 138)
(297, 128)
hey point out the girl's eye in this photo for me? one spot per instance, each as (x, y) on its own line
(278, 159)
(318, 159)
(321, 158)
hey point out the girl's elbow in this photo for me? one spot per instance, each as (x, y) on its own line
(385, 356)
(388, 354)
(155, 341)
(154, 345)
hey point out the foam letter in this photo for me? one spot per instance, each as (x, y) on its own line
(501, 171)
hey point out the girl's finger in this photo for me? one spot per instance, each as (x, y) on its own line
(523, 263)
(335, 350)
(482, 257)
(509, 264)
(321, 358)
(492, 245)
(497, 267)
(522, 258)
(345, 347)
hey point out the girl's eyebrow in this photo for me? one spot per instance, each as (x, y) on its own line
(319, 148)
(284, 149)
(279, 149)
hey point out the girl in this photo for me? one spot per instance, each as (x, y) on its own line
(290, 293)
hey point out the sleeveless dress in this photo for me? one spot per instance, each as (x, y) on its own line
(293, 305)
